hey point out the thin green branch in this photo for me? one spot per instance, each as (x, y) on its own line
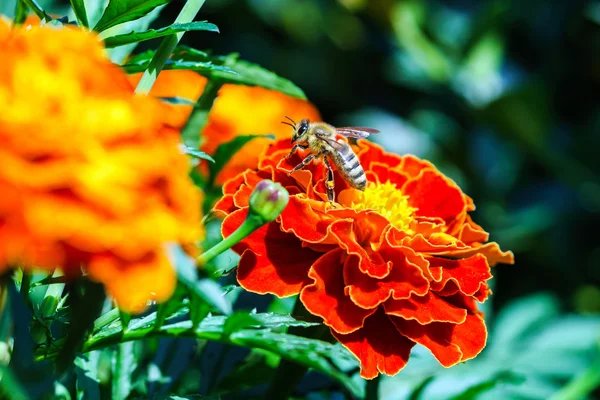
(190, 133)
(37, 9)
(187, 14)
(250, 224)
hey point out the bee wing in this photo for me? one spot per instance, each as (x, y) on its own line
(357, 132)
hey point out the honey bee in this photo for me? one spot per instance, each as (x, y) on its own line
(326, 143)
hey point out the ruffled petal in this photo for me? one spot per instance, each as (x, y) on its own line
(469, 274)
(300, 219)
(434, 195)
(426, 309)
(367, 227)
(449, 343)
(379, 346)
(325, 296)
(404, 279)
(272, 261)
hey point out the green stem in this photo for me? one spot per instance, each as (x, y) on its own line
(197, 120)
(372, 389)
(25, 286)
(289, 373)
(187, 14)
(251, 223)
(582, 385)
(39, 11)
(21, 11)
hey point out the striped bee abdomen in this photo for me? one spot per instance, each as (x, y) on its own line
(349, 167)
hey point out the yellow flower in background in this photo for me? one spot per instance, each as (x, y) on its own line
(91, 175)
(238, 110)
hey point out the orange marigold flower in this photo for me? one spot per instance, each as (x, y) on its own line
(238, 110)
(91, 174)
(398, 264)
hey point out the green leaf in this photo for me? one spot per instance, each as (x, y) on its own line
(502, 377)
(581, 385)
(10, 387)
(225, 69)
(134, 37)
(206, 290)
(198, 66)
(118, 55)
(226, 150)
(196, 153)
(123, 366)
(86, 373)
(254, 75)
(120, 11)
(80, 13)
(21, 11)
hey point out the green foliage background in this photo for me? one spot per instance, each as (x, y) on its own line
(501, 95)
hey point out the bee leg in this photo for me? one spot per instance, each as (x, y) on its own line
(302, 164)
(330, 183)
(296, 146)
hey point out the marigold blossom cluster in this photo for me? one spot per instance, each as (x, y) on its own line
(398, 264)
(92, 176)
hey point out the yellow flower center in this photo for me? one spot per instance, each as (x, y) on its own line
(389, 201)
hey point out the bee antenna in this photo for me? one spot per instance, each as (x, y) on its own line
(293, 122)
(287, 123)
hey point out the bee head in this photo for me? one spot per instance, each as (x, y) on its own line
(301, 130)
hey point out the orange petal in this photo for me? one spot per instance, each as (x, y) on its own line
(449, 343)
(385, 174)
(469, 273)
(368, 228)
(325, 296)
(471, 232)
(132, 284)
(378, 346)
(224, 206)
(491, 251)
(299, 218)
(434, 195)
(426, 309)
(272, 261)
(369, 152)
(404, 279)
(412, 166)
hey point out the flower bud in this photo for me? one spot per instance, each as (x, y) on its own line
(268, 200)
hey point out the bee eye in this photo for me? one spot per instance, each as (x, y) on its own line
(302, 129)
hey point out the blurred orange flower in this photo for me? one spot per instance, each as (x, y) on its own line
(238, 110)
(91, 175)
(398, 264)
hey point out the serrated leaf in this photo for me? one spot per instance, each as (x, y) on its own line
(254, 75)
(120, 11)
(233, 70)
(226, 150)
(134, 37)
(80, 13)
(198, 66)
(196, 153)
